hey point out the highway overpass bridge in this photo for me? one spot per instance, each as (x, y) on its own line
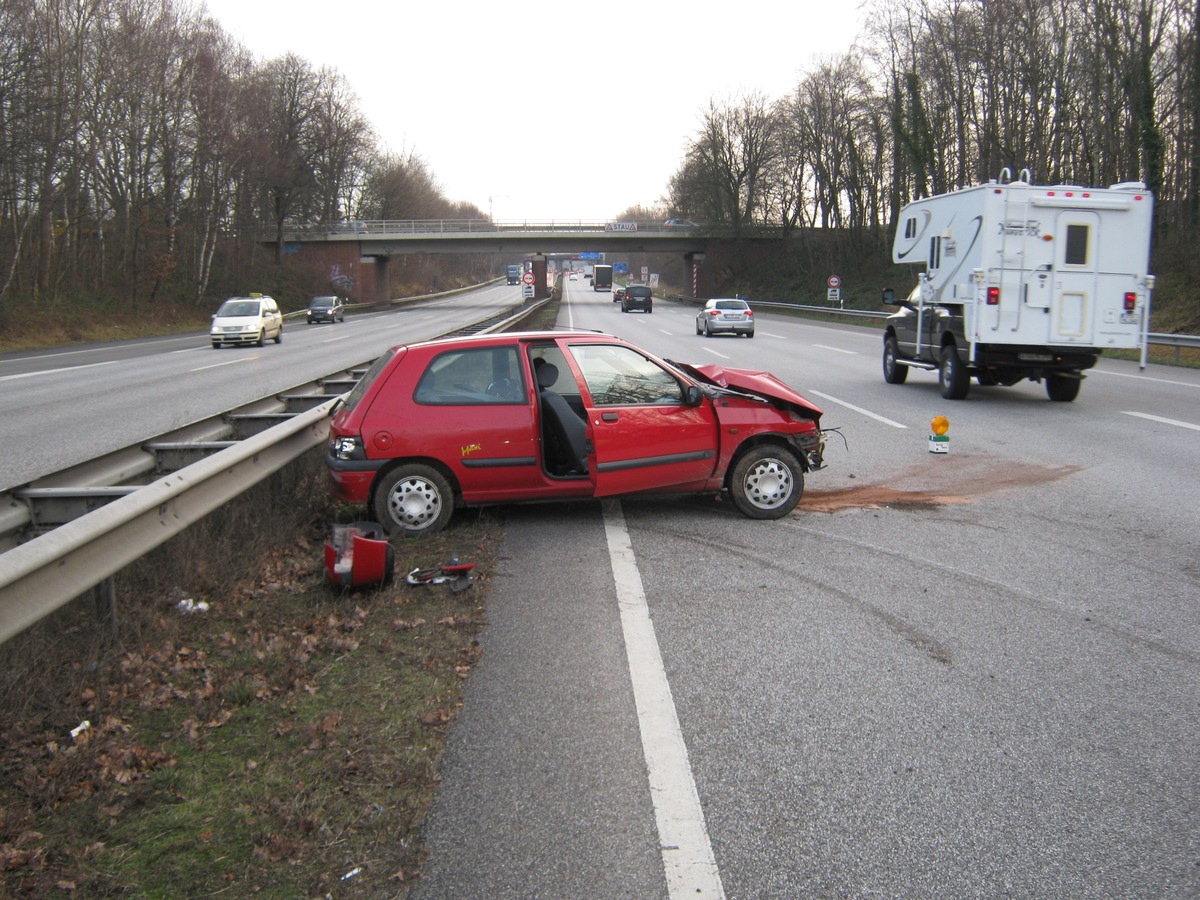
(360, 253)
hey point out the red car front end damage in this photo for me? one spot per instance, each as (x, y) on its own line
(553, 415)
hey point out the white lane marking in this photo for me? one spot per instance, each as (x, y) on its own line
(1162, 420)
(54, 371)
(226, 363)
(837, 349)
(714, 352)
(691, 868)
(782, 337)
(858, 409)
(1143, 378)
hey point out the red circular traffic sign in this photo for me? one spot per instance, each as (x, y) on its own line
(834, 281)
(527, 278)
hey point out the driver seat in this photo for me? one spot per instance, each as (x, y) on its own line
(562, 428)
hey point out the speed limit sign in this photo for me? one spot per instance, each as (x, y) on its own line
(527, 278)
(834, 281)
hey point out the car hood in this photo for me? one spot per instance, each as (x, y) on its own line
(237, 320)
(750, 381)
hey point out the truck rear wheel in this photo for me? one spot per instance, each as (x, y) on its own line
(1063, 388)
(952, 374)
(893, 372)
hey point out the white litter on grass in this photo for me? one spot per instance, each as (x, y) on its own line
(191, 606)
(79, 729)
(353, 872)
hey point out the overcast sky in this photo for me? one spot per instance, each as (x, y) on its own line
(548, 111)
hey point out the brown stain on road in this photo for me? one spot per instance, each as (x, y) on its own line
(940, 482)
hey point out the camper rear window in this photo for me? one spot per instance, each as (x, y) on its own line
(1077, 246)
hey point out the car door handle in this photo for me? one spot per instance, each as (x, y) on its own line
(609, 416)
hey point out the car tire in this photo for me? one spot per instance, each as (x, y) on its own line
(1063, 388)
(699, 330)
(707, 330)
(952, 375)
(750, 334)
(217, 345)
(262, 338)
(413, 499)
(767, 482)
(893, 371)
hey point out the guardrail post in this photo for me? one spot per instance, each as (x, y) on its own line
(104, 600)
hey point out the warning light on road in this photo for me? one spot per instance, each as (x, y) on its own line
(939, 441)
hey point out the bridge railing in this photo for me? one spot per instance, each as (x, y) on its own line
(375, 228)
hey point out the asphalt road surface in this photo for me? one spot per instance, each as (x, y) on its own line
(962, 675)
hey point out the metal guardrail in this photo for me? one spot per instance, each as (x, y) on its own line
(1178, 341)
(48, 572)
(51, 570)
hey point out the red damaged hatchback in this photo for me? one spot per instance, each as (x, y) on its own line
(560, 415)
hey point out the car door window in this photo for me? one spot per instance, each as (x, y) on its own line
(618, 376)
(482, 376)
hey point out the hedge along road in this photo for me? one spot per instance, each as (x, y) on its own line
(961, 675)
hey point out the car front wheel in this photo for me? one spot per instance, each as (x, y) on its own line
(413, 499)
(766, 483)
(893, 372)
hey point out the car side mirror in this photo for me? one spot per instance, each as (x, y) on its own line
(693, 396)
(889, 297)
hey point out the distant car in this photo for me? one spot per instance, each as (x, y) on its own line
(571, 277)
(725, 317)
(326, 309)
(638, 296)
(618, 294)
(532, 416)
(587, 276)
(247, 320)
(680, 224)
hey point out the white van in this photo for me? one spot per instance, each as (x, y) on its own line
(247, 320)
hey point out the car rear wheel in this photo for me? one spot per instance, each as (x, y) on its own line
(413, 499)
(707, 330)
(952, 375)
(766, 483)
(1062, 388)
(279, 335)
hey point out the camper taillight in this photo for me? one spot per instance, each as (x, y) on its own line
(993, 296)
(1130, 301)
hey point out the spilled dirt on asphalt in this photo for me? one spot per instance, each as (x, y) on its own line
(940, 482)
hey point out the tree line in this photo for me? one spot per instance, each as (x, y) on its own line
(941, 94)
(140, 144)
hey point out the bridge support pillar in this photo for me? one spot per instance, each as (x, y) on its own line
(540, 291)
(380, 287)
(696, 281)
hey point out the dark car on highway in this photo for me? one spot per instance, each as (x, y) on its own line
(530, 416)
(326, 309)
(638, 296)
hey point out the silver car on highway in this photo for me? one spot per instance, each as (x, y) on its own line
(723, 316)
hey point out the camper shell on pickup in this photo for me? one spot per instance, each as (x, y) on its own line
(1020, 281)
